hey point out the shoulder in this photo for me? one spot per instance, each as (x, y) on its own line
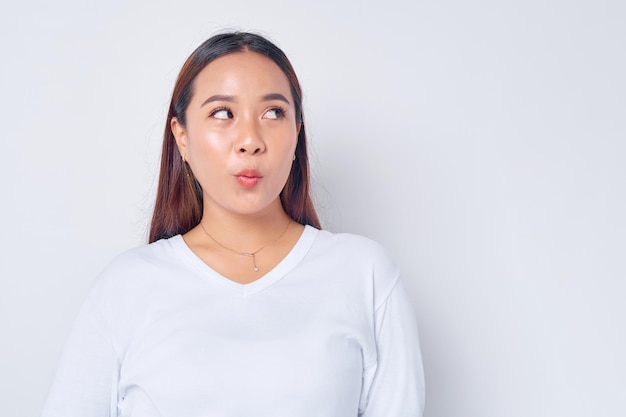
(347, 242)
(354, 247)
(358, 256)
(132, 268)
(151, 256)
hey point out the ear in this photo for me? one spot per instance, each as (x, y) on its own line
(180, 134)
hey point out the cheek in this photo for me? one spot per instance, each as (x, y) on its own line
(288, 158)
(291, 138)
(209, 145)
(288, 147)
(207, 157)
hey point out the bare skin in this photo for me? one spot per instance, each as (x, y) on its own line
(239, 140)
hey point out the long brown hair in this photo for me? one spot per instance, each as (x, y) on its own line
(179, 205)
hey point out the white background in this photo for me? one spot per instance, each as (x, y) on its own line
(483, 142)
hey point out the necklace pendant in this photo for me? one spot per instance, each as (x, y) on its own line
(256, 268)
(248, 254)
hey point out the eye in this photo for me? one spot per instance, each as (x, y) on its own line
(222, 114)
(274, 113)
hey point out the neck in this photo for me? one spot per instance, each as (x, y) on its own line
(245, 232)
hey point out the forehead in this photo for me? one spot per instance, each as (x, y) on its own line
(241, 74)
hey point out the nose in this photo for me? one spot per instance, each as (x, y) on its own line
(249, 138)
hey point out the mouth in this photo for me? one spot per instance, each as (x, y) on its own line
(248, 178)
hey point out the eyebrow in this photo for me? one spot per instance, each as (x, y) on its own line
(223, 97)
(218, 97)
(276, 96)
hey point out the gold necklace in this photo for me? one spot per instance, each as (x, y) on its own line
(249, 254)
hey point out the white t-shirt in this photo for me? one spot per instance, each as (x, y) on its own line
(328, 332)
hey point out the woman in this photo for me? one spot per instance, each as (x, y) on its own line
(240, 305)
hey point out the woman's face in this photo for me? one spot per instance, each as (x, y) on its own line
(240, 134)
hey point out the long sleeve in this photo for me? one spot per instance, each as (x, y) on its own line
(397, 388)
(315, 336)
(87, 370)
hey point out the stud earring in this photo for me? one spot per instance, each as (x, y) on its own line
(184, 166)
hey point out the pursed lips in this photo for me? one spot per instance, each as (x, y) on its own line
(248, 178)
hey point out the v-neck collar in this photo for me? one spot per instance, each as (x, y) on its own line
(295, 255)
